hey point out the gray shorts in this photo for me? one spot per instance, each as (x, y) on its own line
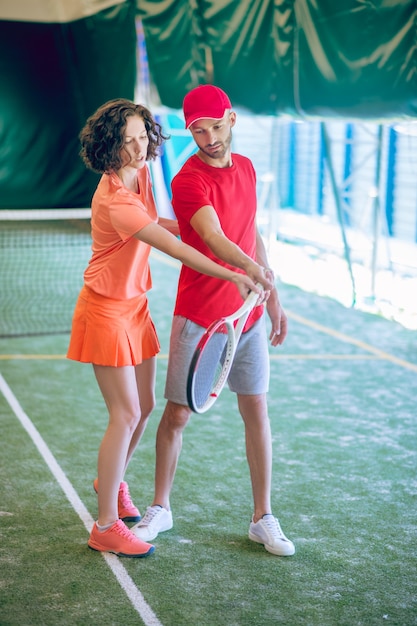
(250, 370)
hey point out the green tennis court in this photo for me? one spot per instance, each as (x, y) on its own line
(343, 412)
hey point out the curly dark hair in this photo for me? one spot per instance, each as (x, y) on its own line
(102, 138)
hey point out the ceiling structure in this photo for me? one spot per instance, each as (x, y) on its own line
(308, 59)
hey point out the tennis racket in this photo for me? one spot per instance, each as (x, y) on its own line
(213, 356)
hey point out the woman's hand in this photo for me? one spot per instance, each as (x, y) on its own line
(245, 285)
(260, 274)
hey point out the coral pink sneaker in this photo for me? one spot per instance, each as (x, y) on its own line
(127, 510)
(119, 540)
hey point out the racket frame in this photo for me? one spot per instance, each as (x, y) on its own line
(233, 335)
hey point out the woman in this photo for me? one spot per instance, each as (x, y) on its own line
(112, 327)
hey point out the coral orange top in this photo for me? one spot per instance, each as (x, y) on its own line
(119, 266)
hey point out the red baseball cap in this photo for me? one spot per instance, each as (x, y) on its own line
(205, 102)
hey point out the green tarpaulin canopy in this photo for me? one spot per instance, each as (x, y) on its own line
(303, 58)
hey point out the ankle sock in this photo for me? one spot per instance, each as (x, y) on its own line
(105, 527)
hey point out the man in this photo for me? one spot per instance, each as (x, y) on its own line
(214, 199)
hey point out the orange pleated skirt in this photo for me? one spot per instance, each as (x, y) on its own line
(112, 332)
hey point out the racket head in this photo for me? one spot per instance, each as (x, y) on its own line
(210, 365)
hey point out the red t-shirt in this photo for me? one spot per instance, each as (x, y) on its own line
(119, 266)
(231, 192)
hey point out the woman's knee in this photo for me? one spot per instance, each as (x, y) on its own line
(132, 420)
(147, 408)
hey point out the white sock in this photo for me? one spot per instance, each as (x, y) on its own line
(105, 527)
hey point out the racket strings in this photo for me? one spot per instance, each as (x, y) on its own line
(210, 368)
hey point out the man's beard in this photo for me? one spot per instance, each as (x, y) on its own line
(221, 150)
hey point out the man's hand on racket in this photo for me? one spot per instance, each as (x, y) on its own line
(262, 280)
(260, 274)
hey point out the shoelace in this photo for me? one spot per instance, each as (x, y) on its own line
(124, 496)
(124, 531)
(273, 527)
(149, 515)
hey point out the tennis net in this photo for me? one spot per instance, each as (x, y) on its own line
(43, 254)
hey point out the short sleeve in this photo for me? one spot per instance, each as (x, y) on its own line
(189, 193)
(128, 216)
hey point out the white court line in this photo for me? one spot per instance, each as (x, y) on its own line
(135, 596)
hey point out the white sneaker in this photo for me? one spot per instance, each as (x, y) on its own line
(156, 520)
(268, 531)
